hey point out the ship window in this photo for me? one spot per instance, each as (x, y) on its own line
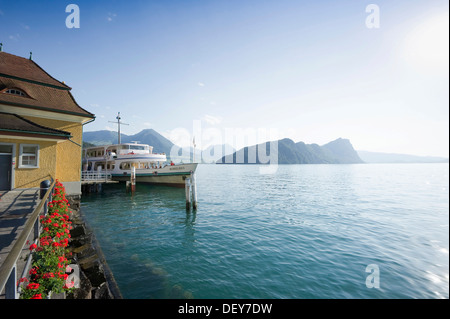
(137, 147)
(125, 165)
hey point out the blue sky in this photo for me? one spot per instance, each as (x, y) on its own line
(308, 70)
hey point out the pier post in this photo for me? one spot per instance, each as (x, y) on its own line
(187, 186)
(194, 191)
(133, 179)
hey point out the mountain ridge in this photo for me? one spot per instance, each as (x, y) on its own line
(339, 151)
(147, 136)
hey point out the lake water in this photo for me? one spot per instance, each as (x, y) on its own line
(306, 231)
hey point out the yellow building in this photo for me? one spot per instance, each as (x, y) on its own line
(41, 127)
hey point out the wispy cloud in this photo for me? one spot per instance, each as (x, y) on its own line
(111, 16)
(26, 27)
(14, 37)
(1, 13)
(201, 84)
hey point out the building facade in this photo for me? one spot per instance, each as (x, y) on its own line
(41, 127)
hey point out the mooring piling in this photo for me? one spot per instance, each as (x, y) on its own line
(194, 191)
(191, 192)
(187, 187)
(133, 179)
(131, 184)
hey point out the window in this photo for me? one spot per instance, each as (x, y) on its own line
(15, 92)
(125, 165)
(5, 149)
(137, 147)
(29, 156)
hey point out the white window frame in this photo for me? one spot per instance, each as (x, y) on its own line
(21, 154)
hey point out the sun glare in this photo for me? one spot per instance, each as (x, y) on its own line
(427, 45)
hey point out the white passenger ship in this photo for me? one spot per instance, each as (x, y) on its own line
(118, 160)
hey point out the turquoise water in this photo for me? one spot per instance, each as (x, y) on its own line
(307, 231)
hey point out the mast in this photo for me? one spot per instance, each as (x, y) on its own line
(118, 118)
(193, 143)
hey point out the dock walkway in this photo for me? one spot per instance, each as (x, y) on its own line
(15, 208)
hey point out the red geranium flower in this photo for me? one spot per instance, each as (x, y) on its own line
(33, 285)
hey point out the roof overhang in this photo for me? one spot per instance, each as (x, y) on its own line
(25, 110)
(18, 127)
(33, 137)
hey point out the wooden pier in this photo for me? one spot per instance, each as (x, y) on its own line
(92, 181)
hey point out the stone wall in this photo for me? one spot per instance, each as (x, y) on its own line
(96, 279)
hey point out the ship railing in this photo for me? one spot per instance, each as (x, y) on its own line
(88, 176)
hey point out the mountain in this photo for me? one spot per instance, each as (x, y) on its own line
(209, 155)
(343, 152)
(160, 145)
(101, 137)
(375, 157)
(149, 136)
(339, 151)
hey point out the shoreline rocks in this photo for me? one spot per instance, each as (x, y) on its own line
(96, 279)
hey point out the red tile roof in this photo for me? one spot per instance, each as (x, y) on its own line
(26, 69)
(44, 92)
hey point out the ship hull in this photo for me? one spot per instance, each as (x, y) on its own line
(169, 175)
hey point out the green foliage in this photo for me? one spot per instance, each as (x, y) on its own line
(48, 271)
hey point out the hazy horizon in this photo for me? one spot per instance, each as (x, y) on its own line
(295, 141)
